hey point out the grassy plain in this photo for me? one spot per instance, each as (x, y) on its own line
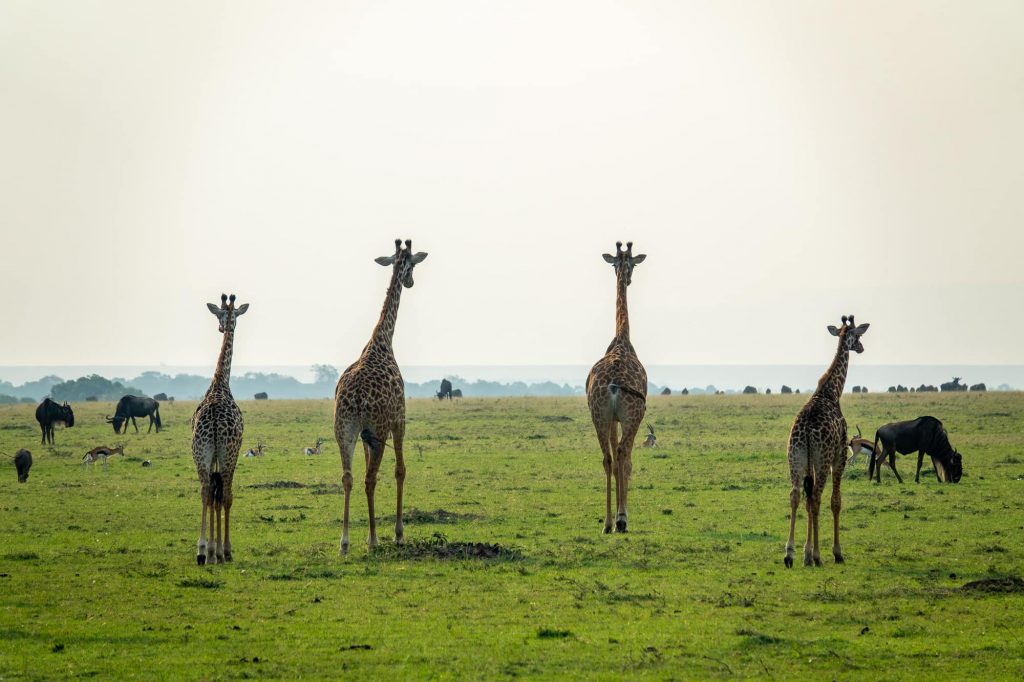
(98, 575)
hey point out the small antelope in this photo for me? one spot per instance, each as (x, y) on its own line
(651, 441)
(102, 452)
(258, 452)
(315, 450)
(861, 446)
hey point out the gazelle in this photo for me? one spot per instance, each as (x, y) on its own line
(102, 452)
(860, 446)
(651, 441)
(315, 450)
(258, 451)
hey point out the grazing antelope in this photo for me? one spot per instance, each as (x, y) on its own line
(258, 452)
(651, 441)
(315, 450)
(102, 452)
(861, 446)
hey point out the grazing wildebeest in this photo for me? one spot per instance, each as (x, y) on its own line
(262, 395)
(456, 393)
(160, 396)
(50, 413)
(130, 407)
(666, 391)
(22, 462)
(924, 435)
(785, 389)
(750, 390)
(446, 390)
(978, 387)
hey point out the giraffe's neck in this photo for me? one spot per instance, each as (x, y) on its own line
(222, 377)
(834, 379)
(385, 329)
(621, 310)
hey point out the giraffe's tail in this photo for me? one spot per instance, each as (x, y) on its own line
(372, 441)
(217, 484)
(809, 477)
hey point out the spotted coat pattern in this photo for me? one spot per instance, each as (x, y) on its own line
(369, 401)
(817, 446)
(617, 395)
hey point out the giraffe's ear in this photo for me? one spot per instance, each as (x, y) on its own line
(214, 309)
(385, 260)
(833, 330)
(419, 257)
(861, 328)
(637, 260)
(240, 310)
(608, 258)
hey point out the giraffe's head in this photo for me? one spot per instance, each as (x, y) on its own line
(227, 312)
(850, 334)
(624, 261)
(404, 261)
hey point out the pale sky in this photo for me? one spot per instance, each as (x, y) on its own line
(781, 164)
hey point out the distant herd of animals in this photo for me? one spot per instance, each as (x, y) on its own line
(369, 407)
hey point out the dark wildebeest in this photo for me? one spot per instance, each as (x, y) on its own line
(49, 413)
(160, 396)
(446, 390)
(456, 393)
(130, 407)
(262, 395)
(953, 385)
(22, 462)
(925, 436)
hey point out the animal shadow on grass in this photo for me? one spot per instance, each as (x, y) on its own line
(1009, 584)
(414, 515)
(439, 547)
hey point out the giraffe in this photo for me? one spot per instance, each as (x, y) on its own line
(216, 440)
(617, 393)
(817, 444)
(369, 401)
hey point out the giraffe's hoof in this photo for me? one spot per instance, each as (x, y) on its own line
(808, 561)
(344, 548)
(817, 561)
(840, 559)
(399, 539)
(620, 526)
(201, 559)
(788, 561)
(227, 557)
(608, 528)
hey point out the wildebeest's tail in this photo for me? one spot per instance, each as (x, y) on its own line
(156, 419)
(217, 483)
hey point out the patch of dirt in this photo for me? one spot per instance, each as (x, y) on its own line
(438, 547)
(414, 515)
(995, 585)
(327, 489)
(276, 485)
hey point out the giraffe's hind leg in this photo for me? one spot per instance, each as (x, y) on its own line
(607, 441)
(347, 445)
(398, 435)
(837, 502)
(624, 462)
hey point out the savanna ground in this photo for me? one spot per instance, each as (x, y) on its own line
(98, 574)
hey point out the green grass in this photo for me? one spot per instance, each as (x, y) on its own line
(506, 572)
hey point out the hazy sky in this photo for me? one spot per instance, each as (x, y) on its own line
(780, 163)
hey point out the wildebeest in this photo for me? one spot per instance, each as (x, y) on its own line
(925, 436)
(953, 385)
(666, 391)
(50, 413)
(456, 393)
(22, 462)
(750, 390)
(446, 390)
(785, 389)
(160, 396)
(130, 407)
(978, 387)
(262, 395)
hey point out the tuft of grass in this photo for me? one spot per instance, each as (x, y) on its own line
(549, 633)
(204, 583)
